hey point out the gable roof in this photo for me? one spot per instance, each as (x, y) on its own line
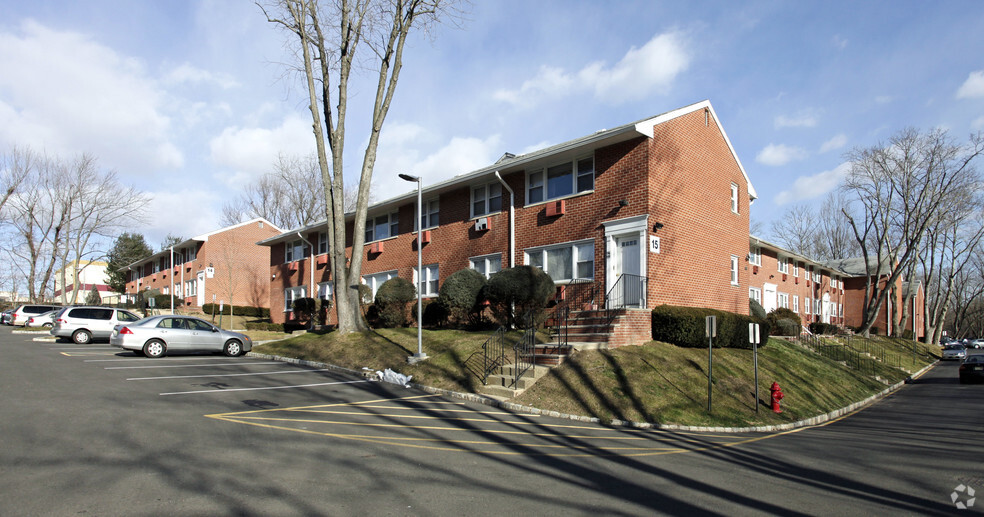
(200, 238)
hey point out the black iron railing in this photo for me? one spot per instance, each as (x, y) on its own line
(575, 297)
(494, 352)
(524, 354)
(628, 291)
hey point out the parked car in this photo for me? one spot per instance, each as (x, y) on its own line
(954, 351)
(26, 311)
(46, 320)
(972, 369)
(157, 335)
(976, 343)
(6, 317)
(83, 324)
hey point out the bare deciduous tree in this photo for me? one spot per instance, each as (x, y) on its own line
(332, 38)
(819, 233)
(900, 188)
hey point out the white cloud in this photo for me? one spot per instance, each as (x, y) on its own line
(186, 73)
(836, 142)
(839, 41)
(779, 154)
(973, 86)
(250, 152)
(977, 124)
(66, 93)
(160, 221)
(808, 187)
(641, 72)
(801, 119)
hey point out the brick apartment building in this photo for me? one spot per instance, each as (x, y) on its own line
(831, 292)
(657, 209)
(225, 265)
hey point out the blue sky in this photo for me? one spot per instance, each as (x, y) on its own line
(189, 100)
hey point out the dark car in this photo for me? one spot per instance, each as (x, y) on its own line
(972, 369)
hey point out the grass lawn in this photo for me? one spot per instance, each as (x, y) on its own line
(656, 382)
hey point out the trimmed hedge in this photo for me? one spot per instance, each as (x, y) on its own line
(685, 326)
(274, 327)
(392, 300)
(517, 292)
(238, 310)
(819, 327)
(461, 295)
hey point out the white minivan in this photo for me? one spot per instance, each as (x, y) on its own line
(83, 324)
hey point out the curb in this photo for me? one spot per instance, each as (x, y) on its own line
(488, 401)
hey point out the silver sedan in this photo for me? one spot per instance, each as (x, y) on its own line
(158, 335)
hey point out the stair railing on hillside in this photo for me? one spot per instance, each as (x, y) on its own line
(628, 291)
(575, 296)
(524, 354)
(494, 352)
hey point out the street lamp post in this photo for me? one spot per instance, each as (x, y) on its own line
(420, 355)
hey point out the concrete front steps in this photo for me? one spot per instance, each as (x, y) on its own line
(589, 330)
(499, 384)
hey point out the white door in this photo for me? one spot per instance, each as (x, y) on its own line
(201, 288)
(770, 298)
(825, 308)
(627, 262)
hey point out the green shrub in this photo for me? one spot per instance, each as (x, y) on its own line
(685, 326)
(783, 313)
(755, 309)
(461, 295)
(435, 314)
(392, 300)
(305, 309)
(238, 310)
(517, 295)
(273, 327)
(787, 327)
(821, 328)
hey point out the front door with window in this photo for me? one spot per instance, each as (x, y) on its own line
(201, 288)
(628, 272)
(770, 297)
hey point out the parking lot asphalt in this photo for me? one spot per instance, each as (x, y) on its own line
(91, 430)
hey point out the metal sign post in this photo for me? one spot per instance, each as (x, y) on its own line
(710, 330)
(753, 338)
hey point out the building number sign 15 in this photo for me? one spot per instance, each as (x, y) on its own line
(654, 244)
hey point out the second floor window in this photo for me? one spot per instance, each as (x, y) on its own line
(783, 265)
(734, 198)
(755, 256)
(382, 227)
(430, 216)
(560, 180)
(295, 250)
(322, 243)
(486, 199)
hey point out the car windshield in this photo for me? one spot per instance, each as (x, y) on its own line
(954, 347)
(975, 359)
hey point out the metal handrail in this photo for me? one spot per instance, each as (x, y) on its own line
(627, 287)
(525, 355)
(494, 352)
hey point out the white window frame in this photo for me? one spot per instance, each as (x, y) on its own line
(325, 290)
(291, 294)
(294, 248)
(539, 179)
(191, 288)
(783, 300)
(817, 276)
(538, 257)
(783, 264)
(734, 197)
(431, 280)
(322, 243)
(816, 306)
(377, 279)
(796, 269)
(796, 303)
(755, 256)
(486, 261)
(486, 199)
(392, 226)
(806, 305)
(756, 294)
(734, 270)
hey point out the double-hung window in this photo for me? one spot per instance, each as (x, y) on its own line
(755, 293)
(783, 300)
(291, 294)
(322, 243)
(783, 265)
(734, 198)
(817, 276)
(487, 265)
(295, 250)
(382, 227)
(376, 280)
(324, 290)
(560, 180)
(806, 305)
(755, 256)
(816, 306)
(564, 262)
(796, 269)
(486, 199)
(796, 303)
(192, 253)
(431, 214)
(429, 287)
(734, 270)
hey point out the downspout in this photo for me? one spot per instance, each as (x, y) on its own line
(512, 221)
(311, 268)
(171, 265)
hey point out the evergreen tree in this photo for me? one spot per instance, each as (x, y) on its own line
(128, 248)
(93, 298)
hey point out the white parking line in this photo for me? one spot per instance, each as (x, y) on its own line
(225, 375)
(182, 366)
(267, 388)
(145, 360)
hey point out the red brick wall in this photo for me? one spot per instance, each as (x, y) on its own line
(799, 282)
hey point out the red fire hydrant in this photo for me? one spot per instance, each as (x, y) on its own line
(776, 397)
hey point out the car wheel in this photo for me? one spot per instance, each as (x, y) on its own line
(154, 348)
(47, 325)
(81, 337)
(233, 348)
